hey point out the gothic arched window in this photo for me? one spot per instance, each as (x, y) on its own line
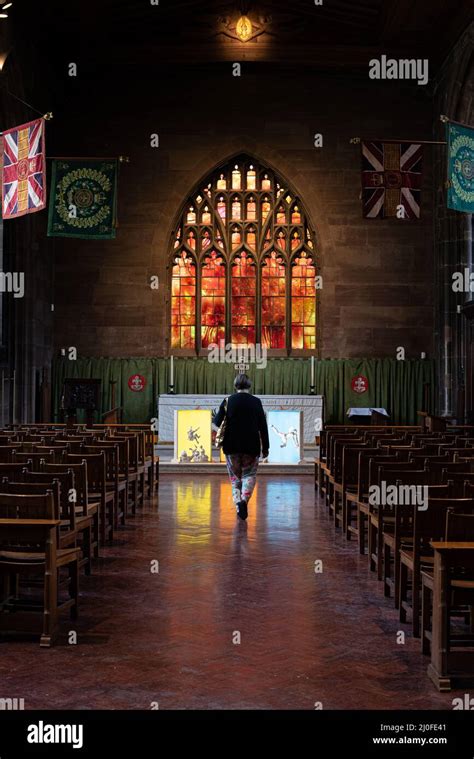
(243, 264)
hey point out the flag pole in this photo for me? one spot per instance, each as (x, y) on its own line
(357, 140)
(46, 116)
(445, 119)
(120, 158)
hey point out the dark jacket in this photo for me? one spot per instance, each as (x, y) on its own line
(246, 424)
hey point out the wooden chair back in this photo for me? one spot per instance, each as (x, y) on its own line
(459, 526)
(35, 459)
(34, 488)
(79, 470)
(67, 491)
(7, 452)
(27, 506)
(111, 451)
(96, 481)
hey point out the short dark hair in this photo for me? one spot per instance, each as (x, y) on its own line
(242, 382)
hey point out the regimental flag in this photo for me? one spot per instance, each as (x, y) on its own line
(391, 180)
(23, 173)
(460, 168)
(83, 199)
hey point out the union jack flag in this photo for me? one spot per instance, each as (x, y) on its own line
(391, 180)
(23, 180)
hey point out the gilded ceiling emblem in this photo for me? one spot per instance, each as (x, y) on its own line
(243, 29)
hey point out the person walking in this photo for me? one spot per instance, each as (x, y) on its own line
(245, 438)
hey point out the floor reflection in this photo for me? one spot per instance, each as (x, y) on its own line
(192, 510)
(171, 637)
(282, 509)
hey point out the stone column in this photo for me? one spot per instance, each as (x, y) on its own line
(453, 236)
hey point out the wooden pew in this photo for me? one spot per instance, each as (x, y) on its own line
(29, 546)
(428, 526)
(448, 668)
(97, 490)
(74, 524)
(86, 506)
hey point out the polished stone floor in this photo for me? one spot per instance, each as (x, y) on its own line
(193, 609)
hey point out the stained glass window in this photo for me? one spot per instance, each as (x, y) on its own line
(243, 308)
(243, 264)
(183, 302)
(273, 301)
(303, 303)
(212, 300)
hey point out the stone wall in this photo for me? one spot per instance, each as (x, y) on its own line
(378, 275)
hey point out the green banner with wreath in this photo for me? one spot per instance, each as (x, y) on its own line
(460, 168)
(83, 199)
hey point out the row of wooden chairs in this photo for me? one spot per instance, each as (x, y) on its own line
(63, 493)
(398, 491)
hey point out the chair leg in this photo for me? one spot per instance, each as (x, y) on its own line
(111, 519)
(372, 544)
(379, 544)
(396, 577)
(425, 618)
(134, 496)
(151, 480)
(348, 518)
(125, 504)
(74, 587)
(50, 608)
(103, 523)
(361, 531)
(415, 603)
(87, 548)
(386, 570)
(336, 505)
(402, 591)
(96, 534)
(117, 508)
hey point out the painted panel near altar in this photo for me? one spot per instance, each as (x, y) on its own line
(192, 436)
(285, 435)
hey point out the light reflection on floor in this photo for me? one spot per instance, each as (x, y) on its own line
(275, 507)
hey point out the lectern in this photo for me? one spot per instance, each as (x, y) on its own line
(80, 394)
(367, 416)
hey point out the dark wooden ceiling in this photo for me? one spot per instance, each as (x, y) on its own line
(338, 34)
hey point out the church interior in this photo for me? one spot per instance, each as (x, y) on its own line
(195, 191)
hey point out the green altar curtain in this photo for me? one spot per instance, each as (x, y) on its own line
(397, 386)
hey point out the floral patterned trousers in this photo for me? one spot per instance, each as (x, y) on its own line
(242, 468)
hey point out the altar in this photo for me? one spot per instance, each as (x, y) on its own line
(310, 405)
(309, 411)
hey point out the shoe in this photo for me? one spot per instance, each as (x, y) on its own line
(242, 510)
